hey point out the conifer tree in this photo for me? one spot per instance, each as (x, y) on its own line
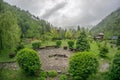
(82, 43)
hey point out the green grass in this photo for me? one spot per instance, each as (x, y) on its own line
(4, 56)
(48, 43)
(7, 74)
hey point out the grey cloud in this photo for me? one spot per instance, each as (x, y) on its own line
(51, 11)
(63, 13)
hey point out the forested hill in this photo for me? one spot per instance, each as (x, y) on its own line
(110, 25)
(31, 26)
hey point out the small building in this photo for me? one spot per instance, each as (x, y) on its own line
(114, 37)
(100, 36)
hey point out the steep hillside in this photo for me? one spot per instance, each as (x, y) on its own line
(31, 26)
(110, 25)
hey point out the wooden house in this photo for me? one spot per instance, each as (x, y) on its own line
(99, 36)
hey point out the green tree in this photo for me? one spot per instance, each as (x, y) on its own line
(118, 41)
(68, 35)
(71, 44)
(114, 73)
(103, 51)
(82, 65)
(54, 33)
(82, 43)
(78, 28)
(9, 31)
(1, 6)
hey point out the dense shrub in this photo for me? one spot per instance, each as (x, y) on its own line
(63, 77)
(28, 61)
(43, 75)
(82, 43)
(82, 65)
(98, 44)
(52, 73)
(20, 46)
(103, 51)
(114, 73)
(70, 44)
(36, 44)
(58, 43)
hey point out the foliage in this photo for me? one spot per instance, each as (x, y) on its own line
(1, 6)
(36, 44)
(9, 31)
(58, 43)
(20, 46)
(103, 51)
(82, 43)
(43, 75)
(70, 44)
(28, 61)
(114, 73)
(68, 35)
(63, 77)
(52, 73)
(118, 47)
(118, 41)
(82, 65)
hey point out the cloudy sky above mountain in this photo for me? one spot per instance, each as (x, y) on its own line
(64, 13)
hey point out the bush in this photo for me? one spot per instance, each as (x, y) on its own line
(36, 44)
(52, 73)
(58, 43)
(70, 44)
(28, 61)
(43, 75)
(103, 51)
(82, 65)
(20, 46)
(114, 72)
(63, 77)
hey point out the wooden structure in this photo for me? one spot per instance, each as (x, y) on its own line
(100, 36)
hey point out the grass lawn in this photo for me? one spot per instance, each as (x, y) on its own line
(48, 43)
(4, 56)
(7, 74)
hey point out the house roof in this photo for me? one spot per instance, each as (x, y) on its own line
(115, 37)
(101, 33)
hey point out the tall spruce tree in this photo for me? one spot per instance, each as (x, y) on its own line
(82, 42)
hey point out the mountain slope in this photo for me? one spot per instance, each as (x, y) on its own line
(110, 25)
(31, 26)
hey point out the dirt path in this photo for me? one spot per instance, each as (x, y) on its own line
(104, 65)
(9, 65)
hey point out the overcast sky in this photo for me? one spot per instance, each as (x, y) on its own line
(64, 13)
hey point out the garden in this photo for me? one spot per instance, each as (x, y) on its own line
(58, 60)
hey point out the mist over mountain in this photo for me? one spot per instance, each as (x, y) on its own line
(109, 25)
